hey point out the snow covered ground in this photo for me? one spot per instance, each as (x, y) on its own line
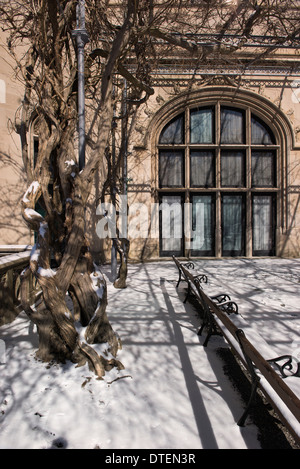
(173, 393)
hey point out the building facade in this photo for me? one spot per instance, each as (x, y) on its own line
(212, 167)
(227, 151)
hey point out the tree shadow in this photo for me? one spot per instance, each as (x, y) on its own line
(159, 333)
(13, 229)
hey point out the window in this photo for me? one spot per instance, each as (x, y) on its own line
(263, 168)
(171, 239)
(222, 160)
(173, 133)
(263, 208)
(232, 168)
(203, 227)
(232, 126)
(233, 225)
(260, 133)
(171, 168)
(202, 125)
(202, 168)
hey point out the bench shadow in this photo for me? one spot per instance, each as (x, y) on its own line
(202, 419)
(271, 433)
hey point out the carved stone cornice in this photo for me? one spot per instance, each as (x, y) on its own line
(222, 80)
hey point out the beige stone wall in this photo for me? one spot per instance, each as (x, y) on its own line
(283, 93)
(12, 178)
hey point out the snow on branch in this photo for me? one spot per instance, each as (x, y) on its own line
(98, 282)
(32, 189)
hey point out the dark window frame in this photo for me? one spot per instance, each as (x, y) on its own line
(243, 168)
(262, 252)
(213, 168)
(241, 251)
(273, 183)
(182, 183)
(213, 125)
(213, 184)
(168, 253)
(211, 252)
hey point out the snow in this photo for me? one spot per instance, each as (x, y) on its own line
(11, 259)
(43, 229)
(98, 282)
(70, 162)
(31, 214)
(33, 188)
(46, 272)
(35, 253)
(173, 393)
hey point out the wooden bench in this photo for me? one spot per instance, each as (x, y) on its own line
(187, 265)
(194, 281)
(276, 377)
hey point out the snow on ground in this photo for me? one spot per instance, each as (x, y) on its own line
(173, 393)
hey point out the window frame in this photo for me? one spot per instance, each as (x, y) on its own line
(234, 252)
(273, 183)
(192, 154)
(182, 175)
(199, 252)
(247, 189)
(167, 253)
(272, 251)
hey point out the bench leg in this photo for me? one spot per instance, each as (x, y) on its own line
(207, 321)
(209, 334)
(254, 378)
(179, 278)
(188, 293)
(242, 419)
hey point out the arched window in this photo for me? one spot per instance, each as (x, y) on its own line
(220, 161)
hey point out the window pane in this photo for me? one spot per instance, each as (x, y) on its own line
(232, 168)
(173, 132)
(263, 168)
(232, 126)
(171, 168)
(232, 225)
(202, 168)
(263, 237)
(260, 133)
(202, 126)
(203, 225)
(171, 224)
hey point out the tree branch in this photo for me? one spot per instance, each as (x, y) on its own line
(124, 73)
(174, 40)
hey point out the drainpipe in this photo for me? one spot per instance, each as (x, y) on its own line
(125, 180)
(114, 262)
(82, 39)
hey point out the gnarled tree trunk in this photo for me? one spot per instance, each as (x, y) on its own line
(122, 246)
(78, 277)
(61, 239)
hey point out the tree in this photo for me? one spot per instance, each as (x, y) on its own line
(127, 40)
(41, 41)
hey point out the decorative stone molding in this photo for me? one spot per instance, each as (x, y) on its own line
(233, 95)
